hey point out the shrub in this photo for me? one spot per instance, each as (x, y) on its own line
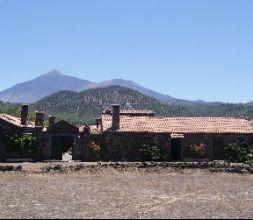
(148, 152)
(21, 146)
(94, 150)
(249, 159)
(238, 152)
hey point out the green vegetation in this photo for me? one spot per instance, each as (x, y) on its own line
(147, 152)
(79, 108)
(23, 146)
(94, 152)
(9, 108)
(15, 110)
(239, 152)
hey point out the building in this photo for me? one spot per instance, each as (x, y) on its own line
(118, 133)
(10, 125)
(122, 131)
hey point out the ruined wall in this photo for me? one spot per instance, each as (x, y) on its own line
(60, 129)
(83, 146)
(214, 143)
(118, 146)
(43, 142)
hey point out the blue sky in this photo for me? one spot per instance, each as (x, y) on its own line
(187, 49)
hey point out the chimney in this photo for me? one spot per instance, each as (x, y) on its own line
(51, 120)
(39, 120)
(98, 122)
(115, 117)
(24, 114)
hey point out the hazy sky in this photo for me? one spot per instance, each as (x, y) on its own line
(187, 49)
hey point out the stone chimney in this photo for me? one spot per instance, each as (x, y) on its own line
(51, 120)
(24, 114)
(39, 120)
(115, 117)
(98, 122)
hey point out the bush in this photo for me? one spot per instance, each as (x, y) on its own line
(238, 152)
(249, 159)
(94, 151)
(151, 153)
(21, 146)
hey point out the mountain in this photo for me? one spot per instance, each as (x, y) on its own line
(85, 106)
(132, 85)
(33, 90)
(54, 81)
(148, 92)
(82, 107)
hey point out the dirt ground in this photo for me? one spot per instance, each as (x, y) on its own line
(131, 194)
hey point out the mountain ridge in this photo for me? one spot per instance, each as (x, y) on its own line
(79, 107)
(42, 86)
(55, 81)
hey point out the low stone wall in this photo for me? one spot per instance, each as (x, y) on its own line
(211, 166)
(9, 168)
(127, 166)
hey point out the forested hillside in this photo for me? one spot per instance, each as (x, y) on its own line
(9, 108)
(85, 106)
(82, 107)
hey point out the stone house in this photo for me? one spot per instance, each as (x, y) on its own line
(53, 140)
(10, 125)
(121, 131)
(118, 132)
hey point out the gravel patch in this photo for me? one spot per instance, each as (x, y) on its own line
(111, 193)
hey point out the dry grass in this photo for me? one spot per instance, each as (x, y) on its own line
(131, 194)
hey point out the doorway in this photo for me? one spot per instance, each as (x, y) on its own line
(218, 149)
(62, 144)
(176, 149)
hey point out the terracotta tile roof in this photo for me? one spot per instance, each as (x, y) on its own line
(181, 125)
(15, 121)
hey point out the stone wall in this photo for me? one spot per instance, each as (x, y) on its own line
(117, 146)
(60, 129)
(217, 166)
(215, 144)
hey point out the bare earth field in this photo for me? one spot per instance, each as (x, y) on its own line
(110, 193)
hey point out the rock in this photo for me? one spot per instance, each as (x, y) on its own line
(6, 168)
(18, 168)
(244, 171)
(251, 170)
